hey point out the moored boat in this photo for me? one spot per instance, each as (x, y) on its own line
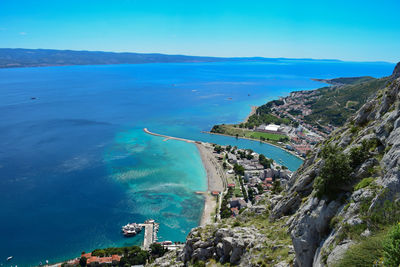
(131, 229)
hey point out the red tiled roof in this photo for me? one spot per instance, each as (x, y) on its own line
(116, 257)
(103, 259)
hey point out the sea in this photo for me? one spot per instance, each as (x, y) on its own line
(75, 164)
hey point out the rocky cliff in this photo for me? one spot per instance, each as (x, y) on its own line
(349, 185)
(247, 240)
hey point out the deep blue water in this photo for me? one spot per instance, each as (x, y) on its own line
(75, 164)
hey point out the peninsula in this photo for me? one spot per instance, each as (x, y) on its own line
(304, 118)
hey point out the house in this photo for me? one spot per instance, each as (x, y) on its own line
(237, 203)
(232, 158)
(215, 193)
(97, 259)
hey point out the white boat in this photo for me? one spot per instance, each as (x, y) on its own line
(9, 258)
(131, 229)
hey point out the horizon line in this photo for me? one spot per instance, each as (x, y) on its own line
(201, 56)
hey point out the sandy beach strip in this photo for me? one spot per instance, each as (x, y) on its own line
(252, 112)
(215, 181)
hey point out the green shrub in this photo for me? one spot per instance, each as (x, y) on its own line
(334, 221)
(354, 129)
(365, 253)
(199, 264)
(236, 224)
(391, 247)
(364, 183)
(359, 154)
(334, 174)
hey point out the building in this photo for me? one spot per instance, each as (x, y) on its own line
(97, 259)
(232, 158)
(237, 203)
(270, 128)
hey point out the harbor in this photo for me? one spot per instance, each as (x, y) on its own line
(150, 231)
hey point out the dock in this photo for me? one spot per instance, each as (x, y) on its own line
(150, 233)
(168, 137)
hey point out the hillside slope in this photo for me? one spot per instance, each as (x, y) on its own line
(347, 189)
(336, 104)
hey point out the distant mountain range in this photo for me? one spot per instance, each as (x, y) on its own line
(18, 57)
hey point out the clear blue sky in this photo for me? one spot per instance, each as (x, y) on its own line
(350, 30)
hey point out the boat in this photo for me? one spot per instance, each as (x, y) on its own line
(9, 258)
(131, 229)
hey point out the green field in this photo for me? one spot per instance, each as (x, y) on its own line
(270, 136)
(240, 132)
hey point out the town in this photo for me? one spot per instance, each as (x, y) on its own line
(248, 175)
(282, 123)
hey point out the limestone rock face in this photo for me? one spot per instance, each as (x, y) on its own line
(396, 71)
(317, 224)
(226, 245)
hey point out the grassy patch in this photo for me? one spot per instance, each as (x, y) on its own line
(365, 253)
(364, 183)
(241, 132)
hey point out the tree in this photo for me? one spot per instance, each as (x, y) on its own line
(82, 261)
(218, 149)
(260, 188)
(359, 154)
(239, 170)
(250, 192)
(276, 187)
(224, 165)
(157, 250)
(264, 161)
(334, 174)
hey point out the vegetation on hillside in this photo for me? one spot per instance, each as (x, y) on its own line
(337, 104)
(346, 80)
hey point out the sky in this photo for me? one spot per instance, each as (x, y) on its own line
(348, 30)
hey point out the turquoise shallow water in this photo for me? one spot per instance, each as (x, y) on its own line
(75, 163)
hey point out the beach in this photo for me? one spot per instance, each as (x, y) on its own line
(215, 181)
(252, 112)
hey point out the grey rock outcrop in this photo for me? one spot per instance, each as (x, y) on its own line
(314, 232)
(225, 245)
